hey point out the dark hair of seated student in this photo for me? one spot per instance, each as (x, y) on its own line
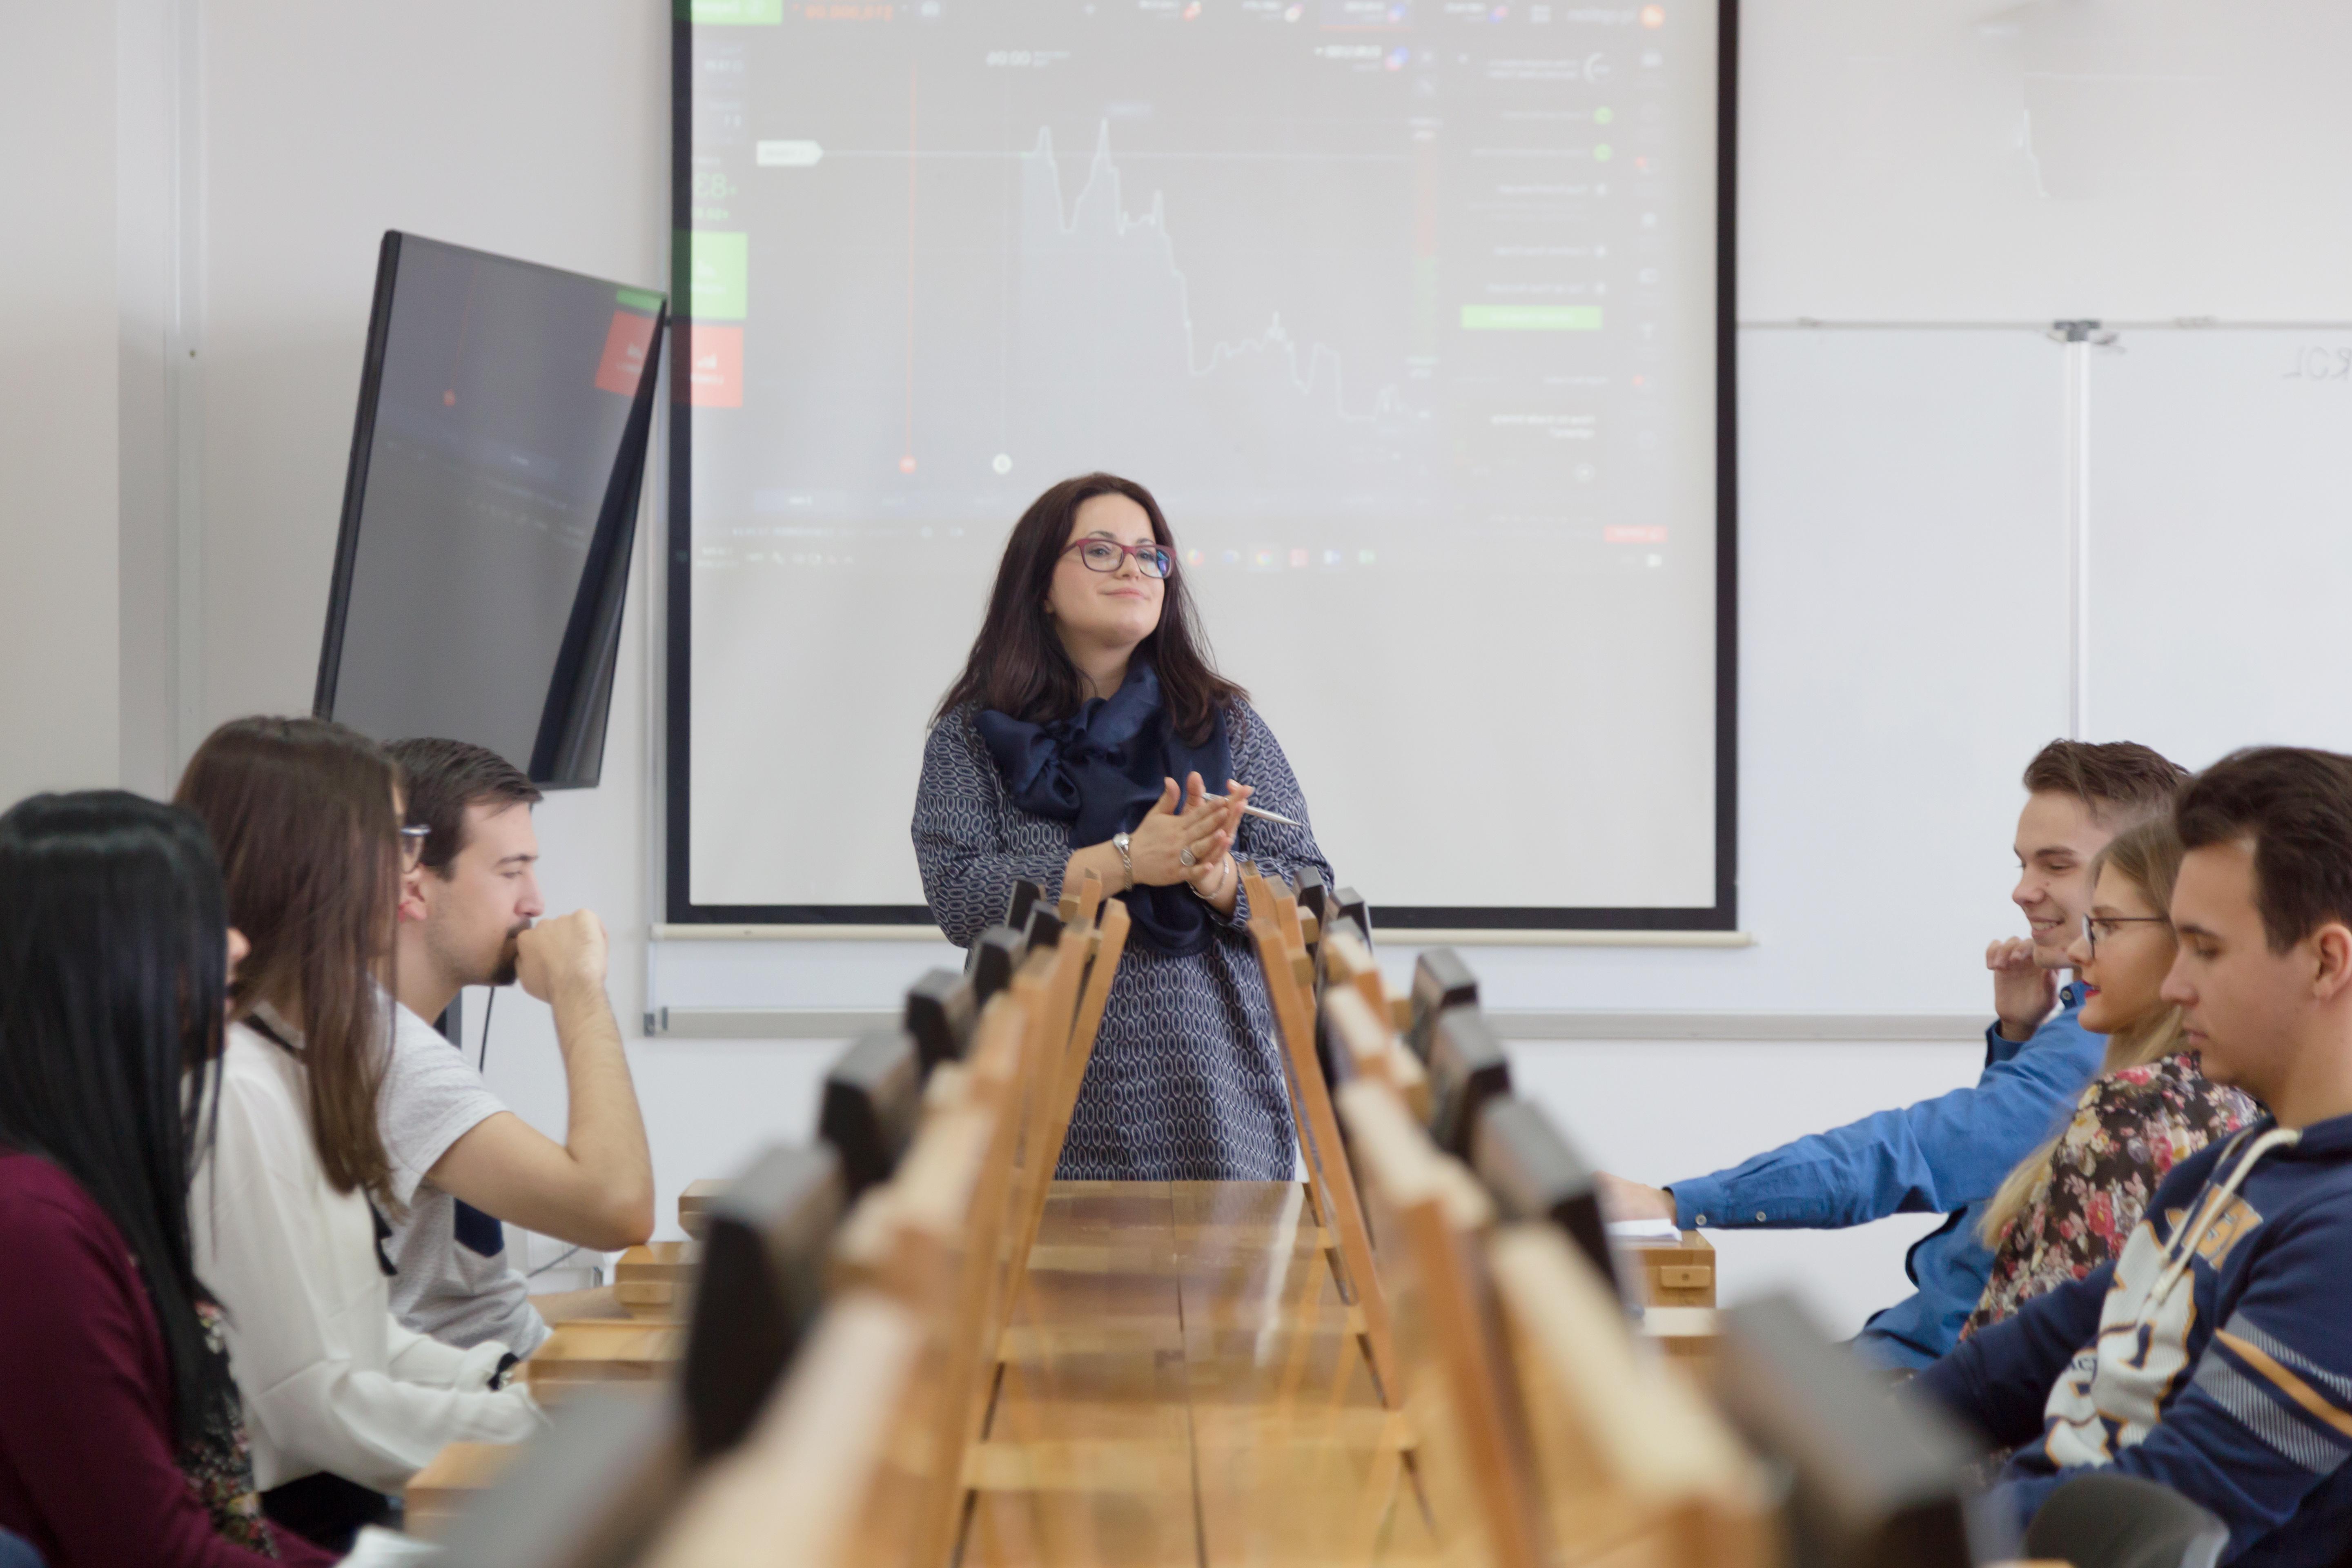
(120, 1436)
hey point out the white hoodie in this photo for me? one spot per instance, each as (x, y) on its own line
(330, 1380)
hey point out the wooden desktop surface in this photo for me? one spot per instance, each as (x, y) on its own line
(1182, 1384)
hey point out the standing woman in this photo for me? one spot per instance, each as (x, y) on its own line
(1082, 734)
(121, 1437)
(344, 1404)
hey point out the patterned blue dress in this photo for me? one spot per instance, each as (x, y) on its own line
(1186, 1080)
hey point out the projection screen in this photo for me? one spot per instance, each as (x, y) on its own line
(1415, 315)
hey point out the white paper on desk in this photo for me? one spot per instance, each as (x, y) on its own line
(382, 1549)
(1634, 1232)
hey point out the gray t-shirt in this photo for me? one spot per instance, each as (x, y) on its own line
(451, 1279)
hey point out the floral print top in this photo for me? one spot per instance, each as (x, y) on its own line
(2130, 1128)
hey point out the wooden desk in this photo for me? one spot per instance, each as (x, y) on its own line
(1184, 1385)
(650, 1281)
(1677, 1273)
(602, 1350)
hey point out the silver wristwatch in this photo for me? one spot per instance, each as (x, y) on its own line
(1120, 841)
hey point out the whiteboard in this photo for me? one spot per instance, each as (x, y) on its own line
(2220, 540)
(1982, 160)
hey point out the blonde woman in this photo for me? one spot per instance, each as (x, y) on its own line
(2068, 1206)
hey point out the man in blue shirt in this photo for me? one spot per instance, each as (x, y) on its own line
(1949, 1155)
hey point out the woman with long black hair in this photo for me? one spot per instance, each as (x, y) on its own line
(1085, 732)
(122, 1440)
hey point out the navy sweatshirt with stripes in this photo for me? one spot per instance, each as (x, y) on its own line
(2213, 1355)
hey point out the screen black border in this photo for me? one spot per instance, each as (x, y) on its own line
(677, 771)
(590, 670)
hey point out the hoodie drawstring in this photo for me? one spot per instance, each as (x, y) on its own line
(2192, 1235)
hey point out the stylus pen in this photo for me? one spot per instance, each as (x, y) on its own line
(1248, 810)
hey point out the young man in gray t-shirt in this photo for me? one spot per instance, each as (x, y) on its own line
(461, 1161)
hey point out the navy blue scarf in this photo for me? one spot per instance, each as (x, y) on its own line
(1102, 771)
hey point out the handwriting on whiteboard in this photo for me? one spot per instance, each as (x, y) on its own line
(2317, 363)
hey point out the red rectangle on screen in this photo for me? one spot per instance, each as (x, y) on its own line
(1627, 534)
(624, 362)
(714, 367)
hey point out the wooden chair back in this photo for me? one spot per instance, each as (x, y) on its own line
(871, 1097)
(1348, 904)
(1472, 1445)
(1467, 1068)
(589, 1492)
(991, 961)
(1439, 981)
(762, 1283)
(1332, 1183)
(1026, 896)
(1534, 1174)
(820, 1482)
(941, 1009)
(1086, 964)
(1629, 1454)
(1875, 1481)
(1366, 1046)
(1044, 929)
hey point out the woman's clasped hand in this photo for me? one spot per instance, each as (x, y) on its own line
(1193, 846)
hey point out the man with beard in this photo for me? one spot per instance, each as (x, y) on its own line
(461, 1161)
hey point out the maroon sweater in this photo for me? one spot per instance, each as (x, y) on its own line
(88, 1472)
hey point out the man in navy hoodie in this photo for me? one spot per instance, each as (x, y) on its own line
(1949, 1155)
(2214, 1355)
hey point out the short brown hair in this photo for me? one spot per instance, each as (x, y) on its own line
(300, 813)
(2120, 782)
(2296, 807)
(443, 778)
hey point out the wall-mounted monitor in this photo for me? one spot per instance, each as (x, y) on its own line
(491, 506)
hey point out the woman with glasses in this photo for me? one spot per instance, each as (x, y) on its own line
(1088, 732)
(2068, 1206)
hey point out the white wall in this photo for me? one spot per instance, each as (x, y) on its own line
(58, 661)
(1895, 603)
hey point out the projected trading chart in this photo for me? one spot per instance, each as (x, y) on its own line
(1406, 308)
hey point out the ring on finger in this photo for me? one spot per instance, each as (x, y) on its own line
(1185, 857)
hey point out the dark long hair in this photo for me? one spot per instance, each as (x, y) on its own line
(112, 947)
(1017, 665)
(300, 810)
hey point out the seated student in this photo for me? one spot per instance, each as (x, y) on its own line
(2070, 1203)
(1947, 1155)
(461, 1161)
(121, 1436)
(2214, 1355)
(344, 1403)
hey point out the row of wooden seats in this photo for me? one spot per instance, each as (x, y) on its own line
(871, 1274)
(1475, 1244)
(1462, 1227)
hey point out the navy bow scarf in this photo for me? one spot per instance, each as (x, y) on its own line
(1101, 770)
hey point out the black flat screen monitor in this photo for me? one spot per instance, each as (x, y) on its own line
(491, 506)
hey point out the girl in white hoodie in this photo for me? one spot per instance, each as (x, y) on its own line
(343, 1404)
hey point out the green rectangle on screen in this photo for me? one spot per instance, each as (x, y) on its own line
(718, 267)
(733, 13)
(1531, 318)
(638, 299)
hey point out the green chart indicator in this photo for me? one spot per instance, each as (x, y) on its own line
(1531, 318)
(717, 270)
(733, 13)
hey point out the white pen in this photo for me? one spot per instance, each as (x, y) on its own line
(1249, 810)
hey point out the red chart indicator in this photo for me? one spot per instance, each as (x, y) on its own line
(623, 365)
(714, 367)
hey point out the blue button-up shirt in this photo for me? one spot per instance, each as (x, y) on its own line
(1947, 1155)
